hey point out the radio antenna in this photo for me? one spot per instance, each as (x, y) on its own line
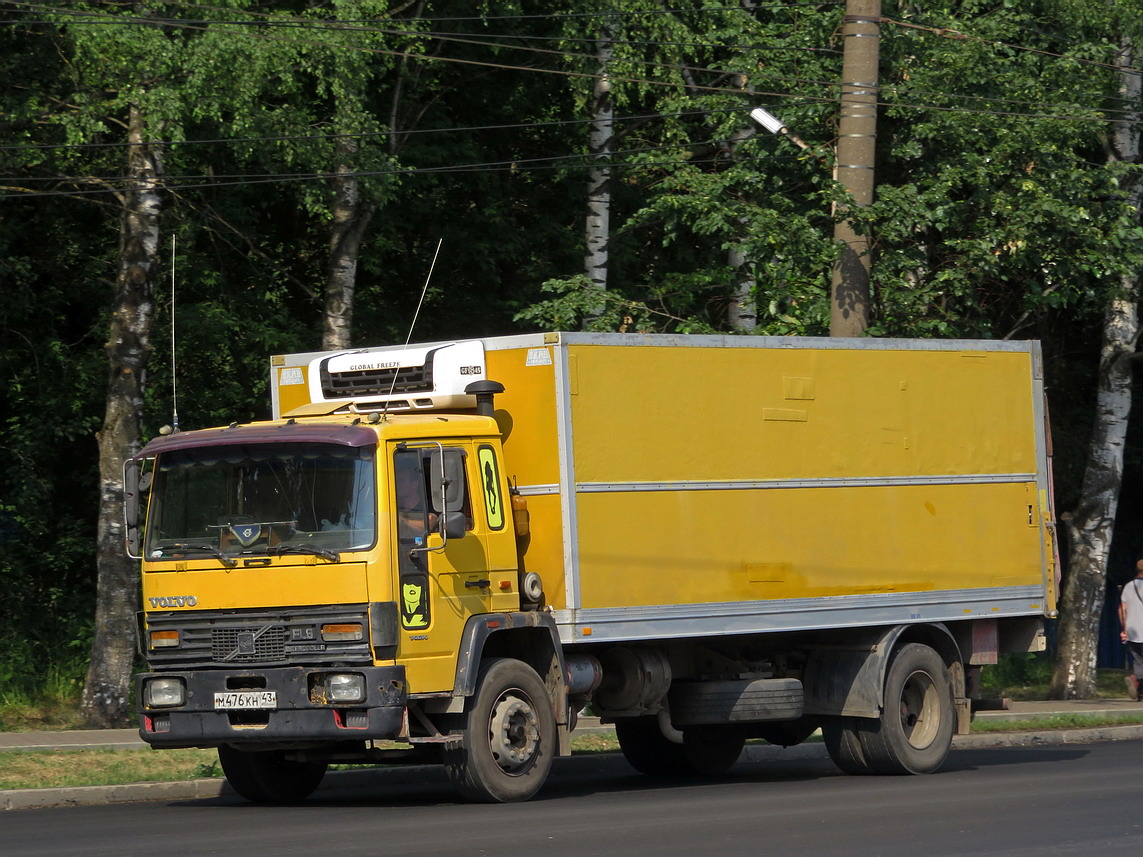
(420, 303)
(424, 291)
(174, 388)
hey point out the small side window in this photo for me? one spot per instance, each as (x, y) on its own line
(424, 496)
(413, 518)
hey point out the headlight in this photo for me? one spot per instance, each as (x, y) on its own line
(164, 692)
(345, 687)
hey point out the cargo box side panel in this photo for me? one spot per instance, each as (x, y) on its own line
(289, 382)
(729, 544)
(648, 414)
(528, 416)
(755, 477)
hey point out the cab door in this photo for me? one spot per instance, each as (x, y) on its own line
(439, 586)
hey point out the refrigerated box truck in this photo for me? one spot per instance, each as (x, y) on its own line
(443, 552)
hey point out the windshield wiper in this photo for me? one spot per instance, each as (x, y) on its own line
(332, 556)
(227, 561)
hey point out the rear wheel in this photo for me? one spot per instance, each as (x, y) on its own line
(647, 749)
(843, 743)
(509, 738)
(786, 733)
(268, 776)
(915, 730)
(712, 750)
(705, 750)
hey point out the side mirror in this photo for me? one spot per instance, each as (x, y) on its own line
(446, 478)
(131, 489)
(446, 469)
(454, 527)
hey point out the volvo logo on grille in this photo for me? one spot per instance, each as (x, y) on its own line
(246, 643)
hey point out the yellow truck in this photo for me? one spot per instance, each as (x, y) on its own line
(444, 552)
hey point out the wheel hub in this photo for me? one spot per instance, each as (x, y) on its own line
(920, 718)
(513, 733)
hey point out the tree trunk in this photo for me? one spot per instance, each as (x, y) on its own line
(1091, 526)
(742, 315)
(107, 699)
(351, 217)
(601, 140)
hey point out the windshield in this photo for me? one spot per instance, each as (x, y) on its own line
(284, 498)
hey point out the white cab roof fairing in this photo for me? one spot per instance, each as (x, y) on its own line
(399, 378)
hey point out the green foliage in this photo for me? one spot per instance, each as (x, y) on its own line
(992, 212)
(1017, 675)
(38, 692)
(996, 213)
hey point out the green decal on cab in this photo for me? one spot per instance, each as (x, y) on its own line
(490, 482)
(414, 603)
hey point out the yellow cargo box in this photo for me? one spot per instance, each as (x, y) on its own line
(683, 486)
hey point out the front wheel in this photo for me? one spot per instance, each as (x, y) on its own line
(509, 739)
(914, 733)
(267, 776)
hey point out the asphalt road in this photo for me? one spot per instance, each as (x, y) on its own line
(1056, 800)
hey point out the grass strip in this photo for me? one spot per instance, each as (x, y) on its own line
(67, 768)
(44, 769)
(1050, 722)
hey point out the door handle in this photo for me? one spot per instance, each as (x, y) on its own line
(477, 584)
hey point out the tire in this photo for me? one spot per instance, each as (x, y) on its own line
(914, 733)
(712, 750)
(843, 743)
(786, 733)
(648, 750)
(509, 736)
(708, 751)
(268, 776)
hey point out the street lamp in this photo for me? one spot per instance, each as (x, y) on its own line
(775, 126)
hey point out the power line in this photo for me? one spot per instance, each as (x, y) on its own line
(787, 96)
(563, 54)
(549, 16)
(564, 162)
(338, 26)
(371, 134)
(959, 35)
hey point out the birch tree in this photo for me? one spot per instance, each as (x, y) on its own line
(107, 698)
(121, 64)
(1091, 526)
(601, 143)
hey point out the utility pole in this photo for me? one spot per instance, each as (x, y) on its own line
(856, 149)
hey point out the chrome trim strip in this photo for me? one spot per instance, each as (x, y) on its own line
(538, 490)
(791, 343)
(795, 614)
(826, 482)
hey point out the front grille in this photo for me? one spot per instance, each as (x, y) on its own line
(377, 382)
(248, 645)
(282, 637)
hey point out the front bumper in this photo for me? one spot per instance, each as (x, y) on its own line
(299, 716)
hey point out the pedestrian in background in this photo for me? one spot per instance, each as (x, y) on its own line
(1131, 621)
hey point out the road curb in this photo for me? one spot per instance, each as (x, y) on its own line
(348, 781)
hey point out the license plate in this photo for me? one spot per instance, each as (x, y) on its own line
(246, 699)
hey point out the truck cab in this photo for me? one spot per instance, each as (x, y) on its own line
(306, 582)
